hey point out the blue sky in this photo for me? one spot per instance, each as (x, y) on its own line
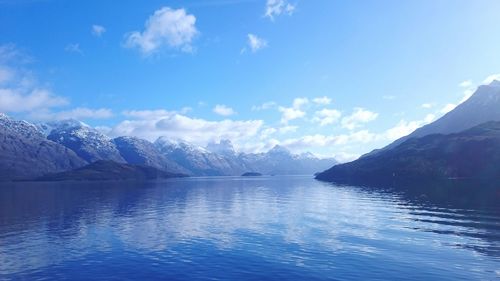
(332, 77)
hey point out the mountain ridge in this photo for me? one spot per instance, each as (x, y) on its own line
(426, 152)
(82, 144)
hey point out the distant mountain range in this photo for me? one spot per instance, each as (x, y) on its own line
(31, 151)
(464, 143)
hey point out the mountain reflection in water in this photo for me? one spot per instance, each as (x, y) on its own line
(249, 228)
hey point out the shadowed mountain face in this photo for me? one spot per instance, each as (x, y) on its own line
(483, 106)
(464, 143)
(25, 152)
(471, 154)
(142, 152)
(109, 170)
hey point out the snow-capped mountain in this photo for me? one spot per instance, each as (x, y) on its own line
(142, 152)
(64, 145)
(26, 153)
(280, 161)
(196, 159)
(85, 141)
(222, 159)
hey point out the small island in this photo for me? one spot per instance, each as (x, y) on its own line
(251, 174)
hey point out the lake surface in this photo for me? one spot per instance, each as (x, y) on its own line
(268, 228)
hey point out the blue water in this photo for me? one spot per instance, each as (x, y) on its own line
(270, 228)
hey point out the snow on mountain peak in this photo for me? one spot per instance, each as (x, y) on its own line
(171, 144)
(278, 149)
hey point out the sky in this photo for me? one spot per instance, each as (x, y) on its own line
(336, 78)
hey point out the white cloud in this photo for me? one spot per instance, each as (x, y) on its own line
(465, 84)
(255, 43)
(223, 110)
(344, 157)
(357, 118)
(326, 116)
(319, 140)
(98, 30)
(491, 78)
(448, 107)
(294, 112)
(288, 129)
(404, 128)
(73, 48)
(427, 105)
(276, 8)
(264, 106)
(78, 113)
(265, 133)
(467, 94)
(290, 113)
(12, 100)
(322, 100)
(151, 124)
(166, 27)
(299, 102)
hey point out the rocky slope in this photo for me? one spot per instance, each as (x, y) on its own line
(84, 140)
(25, 152)
(142, 152)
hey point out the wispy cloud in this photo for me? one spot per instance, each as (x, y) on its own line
(73, 48)
(327, 116)
(264, 106)
(98, 30)
(276, 8)
(322, 100)
(223, 110)
(255, 43)
(357, 118)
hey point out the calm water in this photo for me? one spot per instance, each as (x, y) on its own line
(276, 228)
